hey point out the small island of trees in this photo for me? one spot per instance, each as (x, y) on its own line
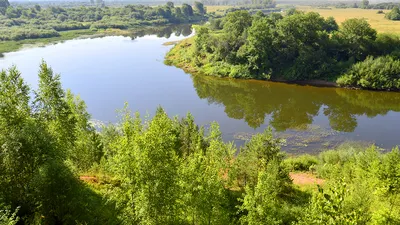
(298, 46)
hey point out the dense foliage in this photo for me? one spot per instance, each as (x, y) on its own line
(365, 4)
(18, 23)
(263, 3)
(298, 46)
(169, 171)
(384, 5)
(382, 73)
(394, 14)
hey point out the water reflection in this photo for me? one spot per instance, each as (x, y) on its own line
(293, 106)
(162, 31)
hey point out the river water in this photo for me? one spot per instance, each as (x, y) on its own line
(109, 71)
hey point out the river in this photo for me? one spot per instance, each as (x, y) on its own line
(109, 71)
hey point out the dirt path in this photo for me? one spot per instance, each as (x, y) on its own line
(305, 179)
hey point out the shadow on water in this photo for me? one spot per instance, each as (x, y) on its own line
(160, 31)
(165, 31)
(292, 109)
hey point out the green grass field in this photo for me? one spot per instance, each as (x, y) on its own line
(377, 21)
(215, 8)
(9, 46)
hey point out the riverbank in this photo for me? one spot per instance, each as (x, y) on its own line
(10, 46)
(163, 30)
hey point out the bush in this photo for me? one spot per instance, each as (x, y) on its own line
(69, 26)
(381, 73)
(16, 34)
(8, 218)
(301, 163)
(331, 162)
(216, 24)
(107, 25)
(394, 14)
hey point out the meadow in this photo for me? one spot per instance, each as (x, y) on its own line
(377, 21)
(216, 8)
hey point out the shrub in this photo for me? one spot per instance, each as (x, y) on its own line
(381, 73)
(16, 34)
(8, 218)
(394, 14)
(69, 26)
(106, 25)
(301, 163)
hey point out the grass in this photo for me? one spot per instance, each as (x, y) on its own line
(377, 21)
(180, 56)
(304, 163)
(217, 8)
(9, 46)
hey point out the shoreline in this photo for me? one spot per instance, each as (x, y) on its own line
(13, 46)
(173, 59)
(187, 68)
(314, 83)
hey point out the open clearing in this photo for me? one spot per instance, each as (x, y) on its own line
(302, 179)
(377, 21)
(215, 8)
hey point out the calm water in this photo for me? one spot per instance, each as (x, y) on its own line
(107, 72)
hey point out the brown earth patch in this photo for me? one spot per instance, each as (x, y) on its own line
(305, 179)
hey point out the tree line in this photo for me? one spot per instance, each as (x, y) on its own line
(365, 4)
(19, 23)
(298, 46)
(55, 168)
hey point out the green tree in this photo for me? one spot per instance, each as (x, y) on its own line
(7, 217)
(4, 4)
(333, 207)
(187, 10)
(365, 4)
(50, 105)
(156, 178)
(263, 204)
(190, 137)
(202, 39)
(199, 8)
(170, 4)
(265, 182)
(358, 37)
(20, 157)
(237, 22)
(394, 14)
(331, 25)
(146, 161)
(204, 198)
(28, 153)
(87, 149)
(259, 48)
(255, 155)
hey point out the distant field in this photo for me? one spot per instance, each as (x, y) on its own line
(215, 8)
(377, 21)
